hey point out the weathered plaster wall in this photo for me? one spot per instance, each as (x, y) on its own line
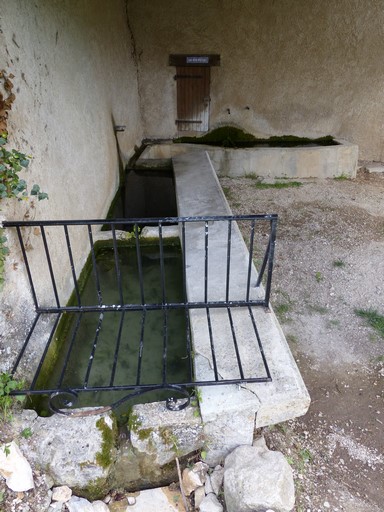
(75, 78)
(301, 66)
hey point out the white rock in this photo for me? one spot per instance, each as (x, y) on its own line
(57, 506)
(211, 504)
(208, 485)
(15, 468)
(99, 506)
(258, 479)
(260, 442)
(62, 493)
(76, 504)
(69, 459)
(195, 477)
(199, 496)
(216, 478)
(131, 500)
(157, 500)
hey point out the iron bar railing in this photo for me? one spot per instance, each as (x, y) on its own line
(113, 312)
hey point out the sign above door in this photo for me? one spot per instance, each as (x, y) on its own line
(194, 60)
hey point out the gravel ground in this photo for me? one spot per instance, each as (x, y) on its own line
(329, 263)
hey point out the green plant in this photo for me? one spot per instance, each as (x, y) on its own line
(319, 277)
(227, 192)
(338, 263)
(8, 384)
(278, 184)
(342, 177)
(252, 176)
(373, 318)
(11, 164)
(282, 311)
(26, 433)
(305, 455)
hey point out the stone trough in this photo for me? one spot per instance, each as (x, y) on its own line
(223, 417)
(339, 160)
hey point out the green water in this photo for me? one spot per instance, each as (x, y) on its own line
(137, 334)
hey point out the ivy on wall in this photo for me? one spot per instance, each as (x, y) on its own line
(12, 162)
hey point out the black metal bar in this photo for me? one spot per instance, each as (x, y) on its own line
(165, 345)
(183, 254)
(266, 367)
(141, 348)
(214, 363)
(162, 270)
(94, 266)
(93, 350)
(72, 264)
(139, 263)
(229, 239)
(188, 343)
(117, 349)
(25, 344)
(69, 352)
(189, 384)
(263, 265)
(49, 262)
(117, 265)
(235, 344)
(206, 262)
(139, 221)
(24, 253)
(250, 259)
(271, 251)
(42, 359)
(155, 306)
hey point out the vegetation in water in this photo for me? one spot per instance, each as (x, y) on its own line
(232, 137)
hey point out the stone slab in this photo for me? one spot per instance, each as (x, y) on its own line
(230, 412)
(375, 167)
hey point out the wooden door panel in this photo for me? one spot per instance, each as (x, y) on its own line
(193, 98)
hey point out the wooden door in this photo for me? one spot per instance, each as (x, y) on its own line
(193, 98)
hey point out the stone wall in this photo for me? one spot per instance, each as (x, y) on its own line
(287, 67)
(74, 79)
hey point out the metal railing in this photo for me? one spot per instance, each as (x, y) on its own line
(219, 286)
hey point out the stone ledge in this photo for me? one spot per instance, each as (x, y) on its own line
(295, 162)
(229, 412)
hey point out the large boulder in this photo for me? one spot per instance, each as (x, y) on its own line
(77, 452)
(257, 479)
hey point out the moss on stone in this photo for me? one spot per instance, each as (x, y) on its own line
(104, 458)
(232, 137)
(94, 490)
(144, 433)
(170, 439)
(134, 423)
